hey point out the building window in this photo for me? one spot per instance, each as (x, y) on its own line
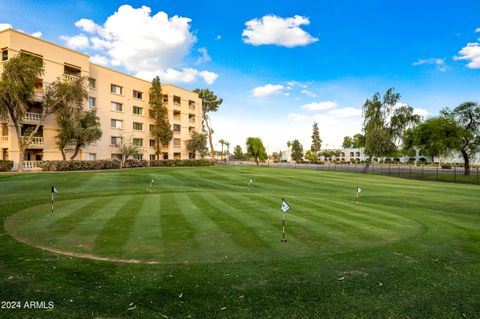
(165, 98)
(92, 156)
(116, 89)
(117, 156)
(138, 141)
(137, 95)
(152, 157)
(117, 107)
(152, 128)
(165, 156)
(151, 113)
(92, 102)
(176, 100)
(176, 128)
(4, 54)
(116, 140)
(177, 156)
(92, 83)
(177, 143)
(137, 110)
(138, 156)
(137, 126)
(117, 123)
(152, 143)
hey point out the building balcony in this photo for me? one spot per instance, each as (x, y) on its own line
(31, 165)
(3, 139)
(38, 95)
(177, 133)
(32, 118)
(37, 142)
(70, 77)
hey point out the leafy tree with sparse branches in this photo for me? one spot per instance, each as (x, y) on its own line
(256, 149)
(384, 123)
(17, 83)
(197, 144)
(297, 151)
(128, 149)
(210, 103)
(162, 131)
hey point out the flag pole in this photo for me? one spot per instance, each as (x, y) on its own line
(52, 203)
(357, 197)
(283, 229)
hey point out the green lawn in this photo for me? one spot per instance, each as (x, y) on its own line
(200, 245)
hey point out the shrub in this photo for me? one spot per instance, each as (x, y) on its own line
(6, 166)
(114, 164)
(446, 166)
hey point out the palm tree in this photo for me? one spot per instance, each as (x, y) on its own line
(222, 142)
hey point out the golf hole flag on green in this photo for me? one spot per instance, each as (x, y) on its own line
(285, 207)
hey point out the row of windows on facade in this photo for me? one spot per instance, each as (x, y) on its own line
(116, 89)
(137, 126)
(118, 141)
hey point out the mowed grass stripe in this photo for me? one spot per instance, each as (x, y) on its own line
(117, 230)
(243, 235)
(176, 230)
(145, 238)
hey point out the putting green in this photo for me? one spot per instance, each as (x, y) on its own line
(205, 226)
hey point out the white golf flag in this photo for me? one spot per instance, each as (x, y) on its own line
(359, 189)
(152, 181)
(251, 181)
(285, 207)
(54, 190)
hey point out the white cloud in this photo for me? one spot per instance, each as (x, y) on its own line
(37, 34)
(76, 42)
(5, 26)
(477, 30)
(470, 53)
(143, 43)
(271, 29)
(267, 90)
(186, 75)
(87, 25)
(309, 93)
(345, 112)
(319, 106)
(295, 117)
(421, 112)
(205, 57)
(218, 37)
(436, 61)
(99, 59)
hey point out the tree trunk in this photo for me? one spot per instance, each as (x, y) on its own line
(77, 149)
(466, 162)
(64, 156)
(210, 132)
(367, 165)
(256, 160)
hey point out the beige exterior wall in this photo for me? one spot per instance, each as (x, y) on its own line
(186, 113)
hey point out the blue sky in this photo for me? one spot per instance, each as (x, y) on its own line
(296, 62)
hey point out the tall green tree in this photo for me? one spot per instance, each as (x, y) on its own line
(467, 116)
(347, 142)
(210, 103)
(162, 131)
(435, 137)
(316, 140)
(227, 144)
(297, 151)
(17, 83)
(87, 131)
(197, 144)
(237, 152)
(358, 141)
(384, 123)
(256, 149)
(222, 142)
(65, 97)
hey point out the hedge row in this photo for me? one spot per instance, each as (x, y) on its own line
(115, 164)
(6, 166)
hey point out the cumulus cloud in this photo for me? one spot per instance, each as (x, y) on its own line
(470, 53)
(185, 75)
(267, 90)
(295, 117)
(143, 43)
(345, 112)
(37, 34)
(274, 30)
(320, 106)
(76, 42)
(421, 112)
(5, 26)
(99, 59)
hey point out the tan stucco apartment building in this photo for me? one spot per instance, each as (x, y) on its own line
(121, 101)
